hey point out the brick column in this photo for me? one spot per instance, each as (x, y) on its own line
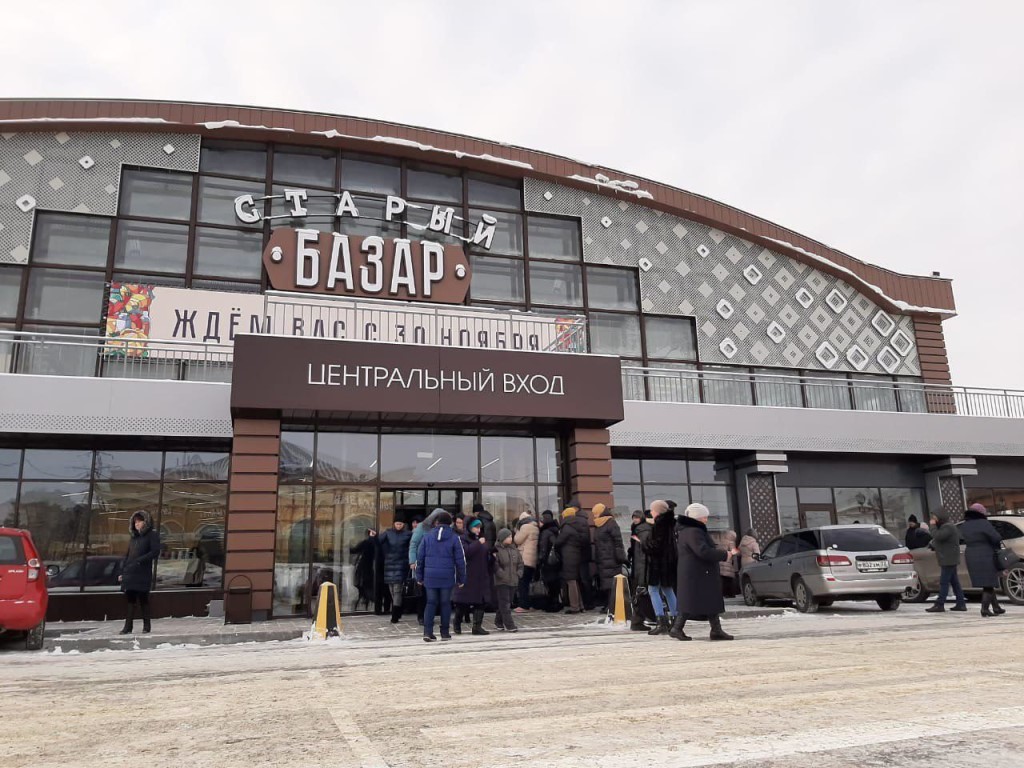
(590, 467)
(252, 509)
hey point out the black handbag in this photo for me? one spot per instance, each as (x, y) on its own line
(1006, 559)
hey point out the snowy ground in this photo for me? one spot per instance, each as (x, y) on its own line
(847, 687)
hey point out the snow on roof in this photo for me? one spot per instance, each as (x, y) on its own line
(618, 185)
(900, 304)
(333, 134)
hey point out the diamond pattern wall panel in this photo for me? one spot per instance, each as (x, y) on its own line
(764, 512)
(816, 321)
(952, 491)
(74, 173)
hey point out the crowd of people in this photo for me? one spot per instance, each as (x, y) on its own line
(457, 568)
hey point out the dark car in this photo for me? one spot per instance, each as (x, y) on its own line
(96, 571)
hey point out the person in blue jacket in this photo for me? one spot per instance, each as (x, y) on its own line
(440, 567)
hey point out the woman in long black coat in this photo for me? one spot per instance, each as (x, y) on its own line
(609, 551)
(699, 587)
(573, 544)
(662, 568)
(982, 541)
(472, 596)
(550, 572)
(137, 568)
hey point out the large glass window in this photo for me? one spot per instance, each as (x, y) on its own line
(341, 516)
(57, 514)
(726, 385)
(789, 510)
(156, 194)
(558, 284)
(614, 334)
(47, 464)
(497, 279)
(827, 390)
(433, 183)
(428, 458)
(493, 191)
(10, 291)
(507, 503)
(775, 390)
(234, 159)
(858, 505)
(63, 295)
(552, 238)
(548, 462)
(671, 338)
(10, 463)
(506, 459)
(370, 176)
(611, 288)
(345, 457)
(192, 520)
(151, 246)
(127, 465)
(898, 504)
(873, 393)
(370, 220)
(292, 585)
(912, 396)
(295, 462)
(217, 200)
(228, 253)
(508, 232)
(664, 471)
(60, 359)
(314, 167)
(79, 241)
(8, 504)
(113, 504)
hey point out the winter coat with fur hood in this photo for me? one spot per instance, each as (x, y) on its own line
(143, 550)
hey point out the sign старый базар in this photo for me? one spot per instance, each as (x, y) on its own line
(310, 261)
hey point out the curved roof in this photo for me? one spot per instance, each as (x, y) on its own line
(899, 292)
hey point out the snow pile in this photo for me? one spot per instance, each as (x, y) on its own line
(333, 134)
(58, 651)
(617, 185)
(176, 646)
(861, 281)
(213, 125)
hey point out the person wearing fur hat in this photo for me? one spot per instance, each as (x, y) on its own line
(137, 568)
(609, 552)
(526, 539)
(699, 587)
(982, 542)
(508, 570)
(440, 568)
(573, 545)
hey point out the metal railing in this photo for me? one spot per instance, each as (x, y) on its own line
(840, 393)
(63, 354)
(298, 314)
(57, 354)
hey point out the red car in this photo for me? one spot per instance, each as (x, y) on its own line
(22, 588)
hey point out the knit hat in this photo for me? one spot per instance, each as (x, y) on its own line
(697, 511)
(478, 507)
(503, 534)
(979, 508)
(547, 515)
(476, 523)
(912, 519)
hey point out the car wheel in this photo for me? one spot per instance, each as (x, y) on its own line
(916, 593)
(1013, 584)
(889, 602)
(802, 597)
(34, 637)
(750, 597)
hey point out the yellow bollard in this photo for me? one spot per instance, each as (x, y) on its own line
(619, 613)
(328, 612)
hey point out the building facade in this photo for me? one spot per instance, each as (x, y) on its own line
(277, 331)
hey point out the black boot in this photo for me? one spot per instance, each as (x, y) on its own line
(129, 622)
(478, 622)
(662, 628)
(985, 601)
(997, 609)
(717, 633)
(457, 620)
(677, 629)
(146, 624)
(636, 624)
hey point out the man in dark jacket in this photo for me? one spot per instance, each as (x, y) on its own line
(609, 552)
(440, 568)
(917, 536)
(490, 531)
(640, 532)
(394, 548)
(946, 543)
(137, 568)
(573, 544)
(699, 590)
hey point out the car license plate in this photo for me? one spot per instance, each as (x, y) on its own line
(873, 566)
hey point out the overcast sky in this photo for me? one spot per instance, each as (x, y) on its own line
(890, 130)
